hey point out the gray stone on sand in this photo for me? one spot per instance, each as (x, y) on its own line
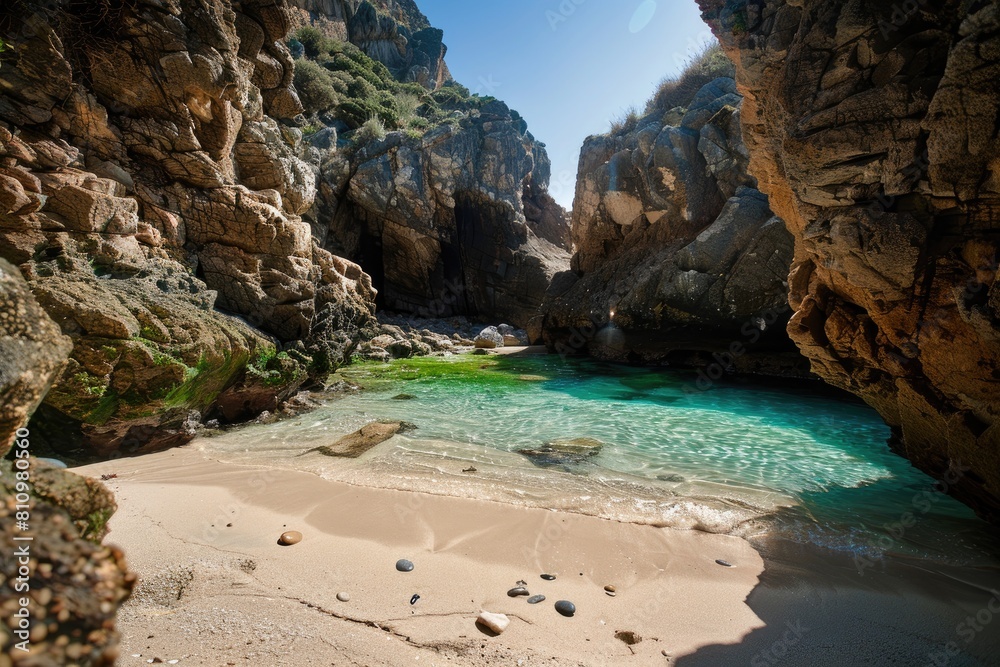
(535, 599)
(565, 607)
(344, 597)
(520, 591)
(489, 338)
(404, 565)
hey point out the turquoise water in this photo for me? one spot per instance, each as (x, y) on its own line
(744, 459)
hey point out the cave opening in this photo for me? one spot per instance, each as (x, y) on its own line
(459, 255)
(372, 261)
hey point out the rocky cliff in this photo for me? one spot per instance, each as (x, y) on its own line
(873, 130)
(678, 258)
(438, 193)
(149, 181)
(454, 222)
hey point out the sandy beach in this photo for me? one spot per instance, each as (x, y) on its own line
(217, 589)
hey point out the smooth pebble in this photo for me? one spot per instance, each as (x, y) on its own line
(565, 607)
(344, 597)
(535, 599)
(495, 622)
(609, 588)
(289, 538)
(724, 563)
(549, 577)
(404, 565)
(518, 592)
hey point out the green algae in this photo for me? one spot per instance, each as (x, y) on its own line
(470, 370)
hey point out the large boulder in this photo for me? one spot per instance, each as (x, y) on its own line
(873, 131)
(678, 257)
(489, 338)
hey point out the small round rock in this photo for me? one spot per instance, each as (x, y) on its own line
(404, 565)
(518, 592)
(565, 607)
(609, 589)
(535, 599)
(289, 538)
(344, 597)
(549, 577)
(724, 563)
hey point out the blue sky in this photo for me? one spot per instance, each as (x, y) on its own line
(568, 66)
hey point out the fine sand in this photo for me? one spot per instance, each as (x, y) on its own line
(217, 589)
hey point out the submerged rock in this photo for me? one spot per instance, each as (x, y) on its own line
(563, 453)
(355, 444)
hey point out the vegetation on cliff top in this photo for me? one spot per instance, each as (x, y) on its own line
(678, 90)
(337, 81)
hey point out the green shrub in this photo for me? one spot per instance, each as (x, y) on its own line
(407, 105)
(372, 130)
(312, 40)
(316, 88)
(336, 80)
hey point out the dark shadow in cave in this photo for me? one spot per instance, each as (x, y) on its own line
(370, 257)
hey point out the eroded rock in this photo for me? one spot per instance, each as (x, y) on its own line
(874, 137)
(149, 176)
(677, 255)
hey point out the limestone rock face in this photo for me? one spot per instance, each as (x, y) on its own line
(394, 32)
(32, 353)
(148, 177)
(873, 131)
(457, 222)
(677, 255)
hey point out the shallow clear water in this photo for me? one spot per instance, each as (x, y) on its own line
(744, 459)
